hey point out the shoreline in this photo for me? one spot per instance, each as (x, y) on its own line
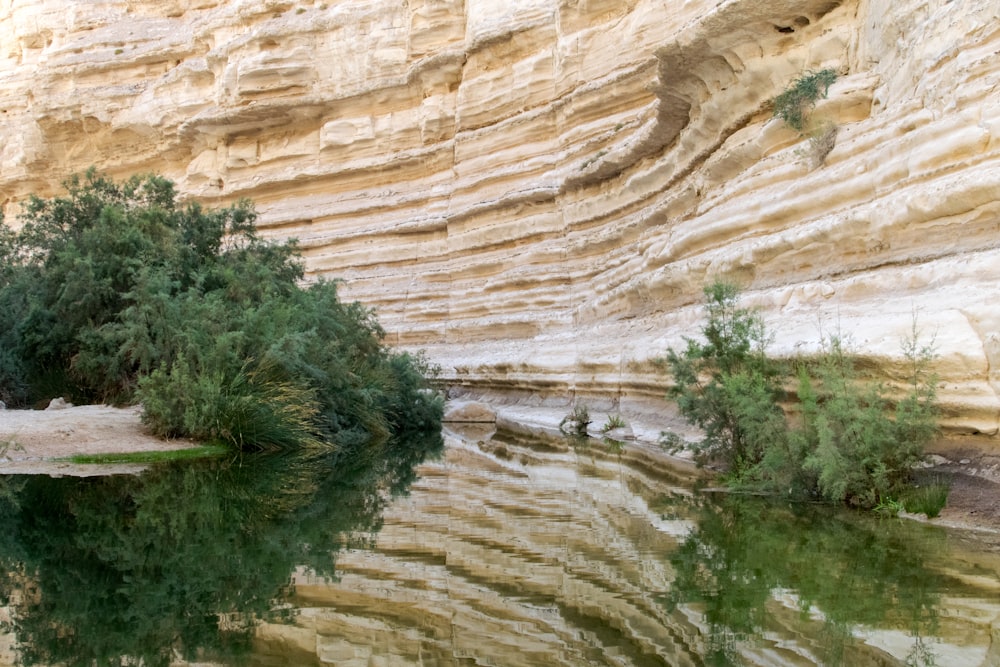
(32, 441)
(971, 464)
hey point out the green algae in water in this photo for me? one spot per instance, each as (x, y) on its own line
(158, 456)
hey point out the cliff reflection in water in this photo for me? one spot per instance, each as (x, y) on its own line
(184, 560)
(540, 551)
(506, 550)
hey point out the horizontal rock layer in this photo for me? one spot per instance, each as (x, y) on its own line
(535, 191)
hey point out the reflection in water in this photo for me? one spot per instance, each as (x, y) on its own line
(507, 550)
(183, 560)
(749, 562)
(527, 551)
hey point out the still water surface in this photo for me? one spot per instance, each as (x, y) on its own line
(498, 549)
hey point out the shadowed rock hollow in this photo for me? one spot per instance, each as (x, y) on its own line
(535, 191)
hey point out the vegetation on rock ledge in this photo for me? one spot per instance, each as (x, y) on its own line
(793, 105)
(119, 293)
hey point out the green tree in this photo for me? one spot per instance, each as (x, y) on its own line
(849, 441)
(726, 384)
(117, 292)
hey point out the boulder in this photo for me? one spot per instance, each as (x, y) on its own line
(469, 412)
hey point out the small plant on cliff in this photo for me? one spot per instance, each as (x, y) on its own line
(119, 293)
(576, 422)
(613, 422)
(793, 105)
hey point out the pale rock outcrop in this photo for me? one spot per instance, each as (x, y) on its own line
(535, 191)
(469, 412)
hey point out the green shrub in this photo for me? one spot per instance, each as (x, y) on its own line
(793, 105)
(13, 384)
(13, 375)
(864, 444)
(118, 293)
(849, 441)
(726, 385)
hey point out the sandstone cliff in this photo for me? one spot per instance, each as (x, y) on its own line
(534, 191)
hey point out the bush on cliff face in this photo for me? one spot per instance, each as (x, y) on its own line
(846, 441)
(119, 293)
(793, 105)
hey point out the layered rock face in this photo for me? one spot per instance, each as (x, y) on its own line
(535, 191)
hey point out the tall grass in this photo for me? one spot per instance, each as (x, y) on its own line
(250, 411)
(927, 497)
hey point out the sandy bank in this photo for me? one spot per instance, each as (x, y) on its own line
(31, 439)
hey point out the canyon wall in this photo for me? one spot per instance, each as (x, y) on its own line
(534, 192)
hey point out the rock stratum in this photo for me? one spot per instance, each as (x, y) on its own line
(535, 191)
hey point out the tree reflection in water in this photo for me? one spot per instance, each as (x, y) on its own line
(751, 567)
(186, 558)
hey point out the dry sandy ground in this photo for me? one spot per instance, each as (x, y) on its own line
(31, 439)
